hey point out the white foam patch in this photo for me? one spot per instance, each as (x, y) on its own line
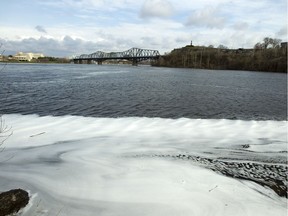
(82, 165)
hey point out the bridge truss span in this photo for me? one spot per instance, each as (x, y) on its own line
(134, 54)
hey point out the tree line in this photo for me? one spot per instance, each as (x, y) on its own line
(267, 55)
(45, 59)
(50, 59)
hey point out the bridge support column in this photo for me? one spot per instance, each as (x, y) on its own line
(80, 62)
(134, 62)
(89, 61)
(99, 62)
(75, 61)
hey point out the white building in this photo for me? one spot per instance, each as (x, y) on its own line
(20, 56)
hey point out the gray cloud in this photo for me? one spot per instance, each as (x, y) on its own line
(40, 29)
(65, 47)
(51, 47)
(156, 8)
(282, 32)
(208, 17)
(241, 26)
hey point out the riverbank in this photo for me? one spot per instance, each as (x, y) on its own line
(44, 60)
(201, 57)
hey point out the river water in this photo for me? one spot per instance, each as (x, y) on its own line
(121, 91)
(123, 140)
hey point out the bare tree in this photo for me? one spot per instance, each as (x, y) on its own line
(222, 47)
(259, 46)
(267, 42)
(1, 54)
(275, 42)
(5, 132)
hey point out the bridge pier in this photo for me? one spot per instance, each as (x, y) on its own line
(134, 62)
(99, 62)
(89, 61)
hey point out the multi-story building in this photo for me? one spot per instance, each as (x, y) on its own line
(20, 56)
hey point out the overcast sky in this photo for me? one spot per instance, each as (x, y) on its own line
(70, 27)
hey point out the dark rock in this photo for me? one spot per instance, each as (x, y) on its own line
(12, 201)
(245, 146)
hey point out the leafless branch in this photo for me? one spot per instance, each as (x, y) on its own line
(5, 132)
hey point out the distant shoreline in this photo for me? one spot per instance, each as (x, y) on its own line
(165, 63)
(12, 62)
(200, 57)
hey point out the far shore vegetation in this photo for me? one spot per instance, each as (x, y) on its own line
(269, 55)
(45, 59)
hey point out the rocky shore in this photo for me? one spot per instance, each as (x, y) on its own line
(273, 176)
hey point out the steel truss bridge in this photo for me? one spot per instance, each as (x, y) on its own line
(134, 55)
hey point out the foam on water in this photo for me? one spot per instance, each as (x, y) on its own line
(127, 166)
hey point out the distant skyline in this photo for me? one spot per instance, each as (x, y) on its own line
(69, 27)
